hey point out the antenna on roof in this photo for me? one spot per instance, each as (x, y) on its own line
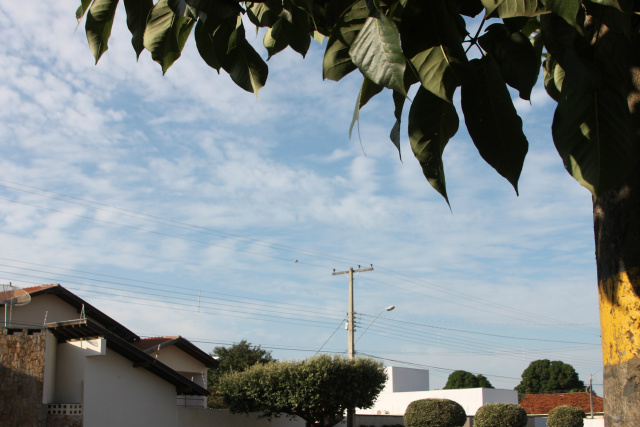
(13, 297)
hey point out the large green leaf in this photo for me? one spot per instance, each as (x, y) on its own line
(84, 5)
(264, 14)
(567, 9)
(516, 56)
(137, 14)
(592, 134)
(431, 39)
(470, 7)
(336, 62)
(98, 25)
(368, 90)
(432, 123)
(244, 65)
(377, 53)
(512, 8)
(394, 135)
(553, 78)
(205, 35)
(166, 34)
(492, 120)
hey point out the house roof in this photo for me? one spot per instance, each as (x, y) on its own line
(90, 311)
(86, 328)
(151, 345)
(542, 404)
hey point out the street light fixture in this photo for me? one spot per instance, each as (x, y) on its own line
(390, 308)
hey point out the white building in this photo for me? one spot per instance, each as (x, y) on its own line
(404, 385)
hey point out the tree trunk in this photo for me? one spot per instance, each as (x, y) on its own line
(617, 234)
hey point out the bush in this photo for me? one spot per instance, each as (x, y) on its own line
(500, 415)
(566, 416)
(434, 413)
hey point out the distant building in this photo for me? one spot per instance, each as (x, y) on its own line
(404, 385)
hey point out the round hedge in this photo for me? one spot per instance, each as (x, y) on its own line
(434, 413)
(566, 416)
(500, 415)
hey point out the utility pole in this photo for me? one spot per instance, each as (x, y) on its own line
(591, 394)
(351, 353)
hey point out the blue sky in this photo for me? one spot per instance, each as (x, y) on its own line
(181, 205)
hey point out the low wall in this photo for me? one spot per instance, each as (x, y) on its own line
(201, 417)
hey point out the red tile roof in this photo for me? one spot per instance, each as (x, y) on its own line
(542, 404)
(38, 288)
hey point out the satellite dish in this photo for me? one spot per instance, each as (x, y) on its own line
(15, 297)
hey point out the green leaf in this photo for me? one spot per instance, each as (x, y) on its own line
(432, 41)
(246, 68)
(205, 42)
(567, 9)
(166, 34)
(592, 134)
(368, 90)
(622, 5)
(516, 56)
(394, 135)
(492, 120)
(376, 51)
(98, 25)
(137, 14)
(553, 78)
(513, 8)
(470, 8)
(84, 5)
(336, 62)
(432, 123)
(264, 14)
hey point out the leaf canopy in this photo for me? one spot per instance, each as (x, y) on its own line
(400, 44)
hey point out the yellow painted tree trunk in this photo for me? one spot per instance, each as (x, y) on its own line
(617, 238)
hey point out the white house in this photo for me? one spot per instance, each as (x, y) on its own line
(404, 385)
(77, 366)
(185, 358)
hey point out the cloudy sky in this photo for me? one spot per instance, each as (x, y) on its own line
(181, 205)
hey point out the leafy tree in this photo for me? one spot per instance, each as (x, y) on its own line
(543, 376)
(318, 389)
(464, 379)
(591, 68)
(434, 413)
(236, 358)
(566, 416)
(500, 415)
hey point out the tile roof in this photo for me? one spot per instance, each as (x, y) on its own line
(150, 345)
(38, 288)
(542, 404)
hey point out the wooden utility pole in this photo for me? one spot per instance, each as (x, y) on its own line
(351, 353)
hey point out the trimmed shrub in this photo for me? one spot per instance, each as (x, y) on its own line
(500, 415)
(566, 416)
(434, 413)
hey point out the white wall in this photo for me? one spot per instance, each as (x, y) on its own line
(180, 361)
(406, 379)
(470, 399)
(117, 394)
(32, 315)
(50, 357)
